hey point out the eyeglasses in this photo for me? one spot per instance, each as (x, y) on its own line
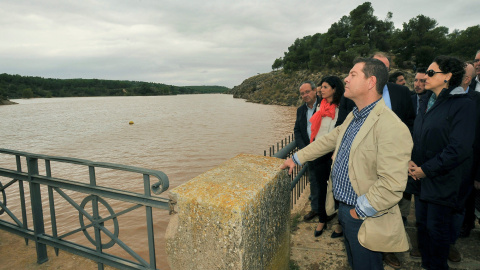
(432, 72)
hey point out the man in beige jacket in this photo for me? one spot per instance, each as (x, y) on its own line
(370, 168)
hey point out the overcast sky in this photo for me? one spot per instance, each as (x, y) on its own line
(179, 42)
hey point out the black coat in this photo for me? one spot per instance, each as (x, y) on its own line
(442, 145)
(475, 174)
(400, 98)
(473, 84)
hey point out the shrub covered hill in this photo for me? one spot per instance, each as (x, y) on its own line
(276, 87)
(358, 34)
(280, 88)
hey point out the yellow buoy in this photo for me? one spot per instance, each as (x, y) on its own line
(130, 123)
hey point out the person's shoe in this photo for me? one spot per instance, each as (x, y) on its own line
(415, 252)
(318, 233)
(310, 216)
(392, 260)
(454, 254)
(336, 235)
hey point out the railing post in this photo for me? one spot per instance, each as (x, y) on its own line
(22, 196)
(149, 213)
(96, 215)
(37, 210)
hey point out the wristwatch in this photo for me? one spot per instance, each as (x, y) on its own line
(360, 217)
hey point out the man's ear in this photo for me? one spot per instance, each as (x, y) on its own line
(372, 83)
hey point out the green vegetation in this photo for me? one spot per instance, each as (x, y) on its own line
(292, 265)
(205, 89)
(294, 220)
(361, 33)
(16, 86)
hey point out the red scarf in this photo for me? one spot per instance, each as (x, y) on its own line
(326, 110)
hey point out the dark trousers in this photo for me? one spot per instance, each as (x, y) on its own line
(318, 187)
(434, 223)
(456, 226)
(469, 221)
(312, 178)
(359, 257)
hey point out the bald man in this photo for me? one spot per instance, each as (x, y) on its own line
(471, 72)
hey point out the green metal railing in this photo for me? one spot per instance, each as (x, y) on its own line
(285, 149)
(88, 218)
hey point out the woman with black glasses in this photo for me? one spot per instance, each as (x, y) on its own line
(442, 142)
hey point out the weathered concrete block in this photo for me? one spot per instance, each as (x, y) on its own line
(234, 216)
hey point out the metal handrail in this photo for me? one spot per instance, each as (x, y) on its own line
(94, 196)
(299, 177)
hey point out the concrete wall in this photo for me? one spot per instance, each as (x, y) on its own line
(234, 216)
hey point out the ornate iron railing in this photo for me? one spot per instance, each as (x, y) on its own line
(94, 195)
(286, 148)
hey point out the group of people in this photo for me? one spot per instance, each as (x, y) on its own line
(372, 144)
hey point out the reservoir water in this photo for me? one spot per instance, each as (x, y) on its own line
(182, 136)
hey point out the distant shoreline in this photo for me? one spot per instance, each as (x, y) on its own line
(7, 102)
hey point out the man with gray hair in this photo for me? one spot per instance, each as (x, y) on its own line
(475, 85)
(302, 132)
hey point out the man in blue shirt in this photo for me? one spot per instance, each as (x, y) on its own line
(370, 168)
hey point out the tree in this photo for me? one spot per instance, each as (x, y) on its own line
(27, 93)
(465, 44)
(278, 63)
(418, 36)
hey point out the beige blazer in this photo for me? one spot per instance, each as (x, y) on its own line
(378, 167)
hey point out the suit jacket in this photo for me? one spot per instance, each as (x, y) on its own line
(414, 102)
(400, 98)
(378, 167)
(300, 128)
(473, 84)
(475, 174)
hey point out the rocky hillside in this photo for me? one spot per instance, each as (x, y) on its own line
(6, 102)
(279, 88)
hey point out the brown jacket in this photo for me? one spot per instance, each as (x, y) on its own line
(378, 167)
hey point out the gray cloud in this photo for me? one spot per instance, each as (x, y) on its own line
(176, 42)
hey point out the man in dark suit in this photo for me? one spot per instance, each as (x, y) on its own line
(302, 134)
(398, 99)
(474, 176)
(475, 85)
(419, 88)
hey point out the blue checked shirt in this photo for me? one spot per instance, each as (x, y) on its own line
(342, 187)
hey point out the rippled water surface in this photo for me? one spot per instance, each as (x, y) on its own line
(182, 136)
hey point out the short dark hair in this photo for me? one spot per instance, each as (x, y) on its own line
(337, 84)
(452, 65)
(393, 77)
(421, 70)
(312, 84)
(374, 67)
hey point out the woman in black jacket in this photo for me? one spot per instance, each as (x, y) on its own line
(442, 136)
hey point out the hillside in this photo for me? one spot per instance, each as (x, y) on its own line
(279, 88)
(17, 86)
